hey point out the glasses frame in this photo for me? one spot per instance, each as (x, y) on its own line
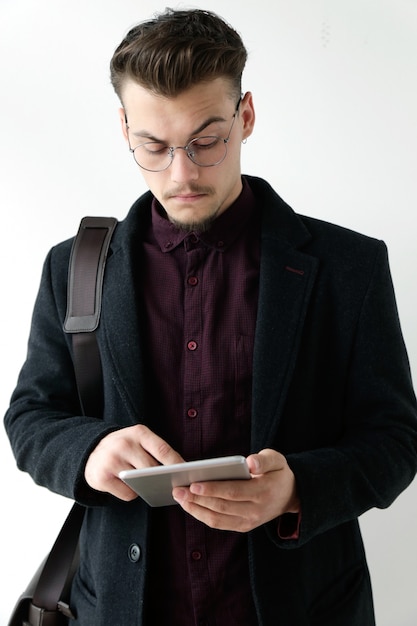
(187, 148)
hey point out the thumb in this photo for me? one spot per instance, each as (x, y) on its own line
(266, 460)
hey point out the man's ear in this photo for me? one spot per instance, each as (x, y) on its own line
(247, 113)
(122, 115)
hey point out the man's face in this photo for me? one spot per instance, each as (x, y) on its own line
(192, 196)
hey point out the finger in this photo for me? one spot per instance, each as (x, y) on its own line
(224, 497)
(157, 447)
(230, 490)
(214, 512)
(266, 460)
(120, 490)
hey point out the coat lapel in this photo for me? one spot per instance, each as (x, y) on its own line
(286, 279)
(120, 333)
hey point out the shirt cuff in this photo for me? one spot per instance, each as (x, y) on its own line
(288, 526)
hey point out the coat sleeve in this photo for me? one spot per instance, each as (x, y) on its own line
(375, 458)
(50, 438)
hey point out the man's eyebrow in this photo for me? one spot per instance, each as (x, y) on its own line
(147, 135)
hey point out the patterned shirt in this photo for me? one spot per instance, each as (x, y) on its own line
(199, 306)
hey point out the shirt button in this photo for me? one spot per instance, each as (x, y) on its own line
(193, 280)
(196, 555)
(134, 553)
(192, 413)
(220, 244)
(168, 245)
(192, 345)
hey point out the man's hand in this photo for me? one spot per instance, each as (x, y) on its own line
(128, 448)
(242, 505)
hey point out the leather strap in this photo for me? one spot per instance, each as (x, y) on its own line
(86, 272)
(58, 563)
(85, 286)
(85, 281)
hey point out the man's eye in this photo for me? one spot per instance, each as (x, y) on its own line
(205, 142)
(154, 147)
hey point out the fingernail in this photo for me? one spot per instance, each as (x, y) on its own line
(178, 494)
(257, 465)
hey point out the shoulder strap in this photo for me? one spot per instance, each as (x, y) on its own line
(85, 281)
(56, 572)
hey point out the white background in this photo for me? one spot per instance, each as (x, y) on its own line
(334, 84)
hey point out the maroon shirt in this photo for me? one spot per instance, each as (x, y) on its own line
(199, 310)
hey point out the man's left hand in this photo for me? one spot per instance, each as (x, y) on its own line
(241, 505)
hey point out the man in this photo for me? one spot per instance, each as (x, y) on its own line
(230, 325)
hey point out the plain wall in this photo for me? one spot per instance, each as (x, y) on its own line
(334, 85)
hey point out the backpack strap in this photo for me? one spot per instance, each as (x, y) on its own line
(85, 283)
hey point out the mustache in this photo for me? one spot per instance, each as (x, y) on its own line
(188, 189)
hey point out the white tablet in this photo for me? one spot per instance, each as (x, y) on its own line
(155, 484)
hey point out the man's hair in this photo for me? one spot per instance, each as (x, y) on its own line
(177, 50)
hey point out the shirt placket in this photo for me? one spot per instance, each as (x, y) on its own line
(193, 349)
(193, 413)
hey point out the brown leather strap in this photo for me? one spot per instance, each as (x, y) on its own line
(88, 373)
(85, 285)
(58, 563)
(86, 272)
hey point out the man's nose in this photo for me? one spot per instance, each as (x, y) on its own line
(182, 167)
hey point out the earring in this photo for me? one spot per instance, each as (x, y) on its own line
(244, 140)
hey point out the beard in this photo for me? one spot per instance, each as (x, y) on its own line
(198, 225)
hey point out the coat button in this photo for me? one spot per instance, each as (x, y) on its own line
(134, 553)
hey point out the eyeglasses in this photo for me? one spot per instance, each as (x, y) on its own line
(207, 151)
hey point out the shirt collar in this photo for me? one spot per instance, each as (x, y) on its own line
(223, 232)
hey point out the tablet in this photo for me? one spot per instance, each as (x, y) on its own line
(155, 484)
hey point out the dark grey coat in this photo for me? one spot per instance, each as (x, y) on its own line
(331, 390)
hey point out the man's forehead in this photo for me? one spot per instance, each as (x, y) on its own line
(194, 108)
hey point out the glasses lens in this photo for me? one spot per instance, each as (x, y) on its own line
(153, 156)
(207, 151)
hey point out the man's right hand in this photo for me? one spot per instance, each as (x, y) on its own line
(129, 448)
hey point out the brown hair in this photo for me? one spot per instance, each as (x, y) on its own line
(176, 50)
